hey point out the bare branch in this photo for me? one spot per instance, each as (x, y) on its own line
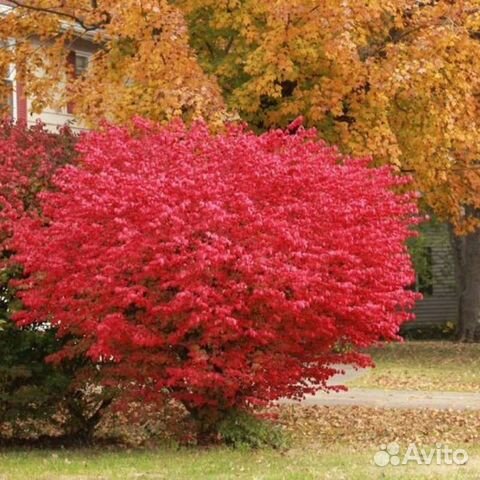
(78, 20)
(229, 45)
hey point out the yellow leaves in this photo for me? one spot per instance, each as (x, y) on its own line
(142, 62)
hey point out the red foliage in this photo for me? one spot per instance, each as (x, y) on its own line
(218, 269)
(28, 159)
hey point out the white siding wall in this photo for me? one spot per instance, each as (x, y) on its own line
(52, 118)
(440, 307)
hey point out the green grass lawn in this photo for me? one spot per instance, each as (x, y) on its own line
(420, 365)
(335, 443)
(220, 463)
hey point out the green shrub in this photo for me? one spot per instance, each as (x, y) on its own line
(443, 331)
(240, 429)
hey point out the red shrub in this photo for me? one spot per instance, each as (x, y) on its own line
(221, 270)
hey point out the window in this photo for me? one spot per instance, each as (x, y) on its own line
(81, 64)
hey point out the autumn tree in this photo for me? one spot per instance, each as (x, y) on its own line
(219, 270)
(141, 62)
(399, 80)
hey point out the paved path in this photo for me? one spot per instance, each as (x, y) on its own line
(389, 398)
(395, 399)
(349, 373)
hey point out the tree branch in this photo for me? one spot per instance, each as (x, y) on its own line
(229, 45)
(51, 11)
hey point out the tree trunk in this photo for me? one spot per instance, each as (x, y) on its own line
(467, 272)
(85, 418)
(207, 420)
(458, 250)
